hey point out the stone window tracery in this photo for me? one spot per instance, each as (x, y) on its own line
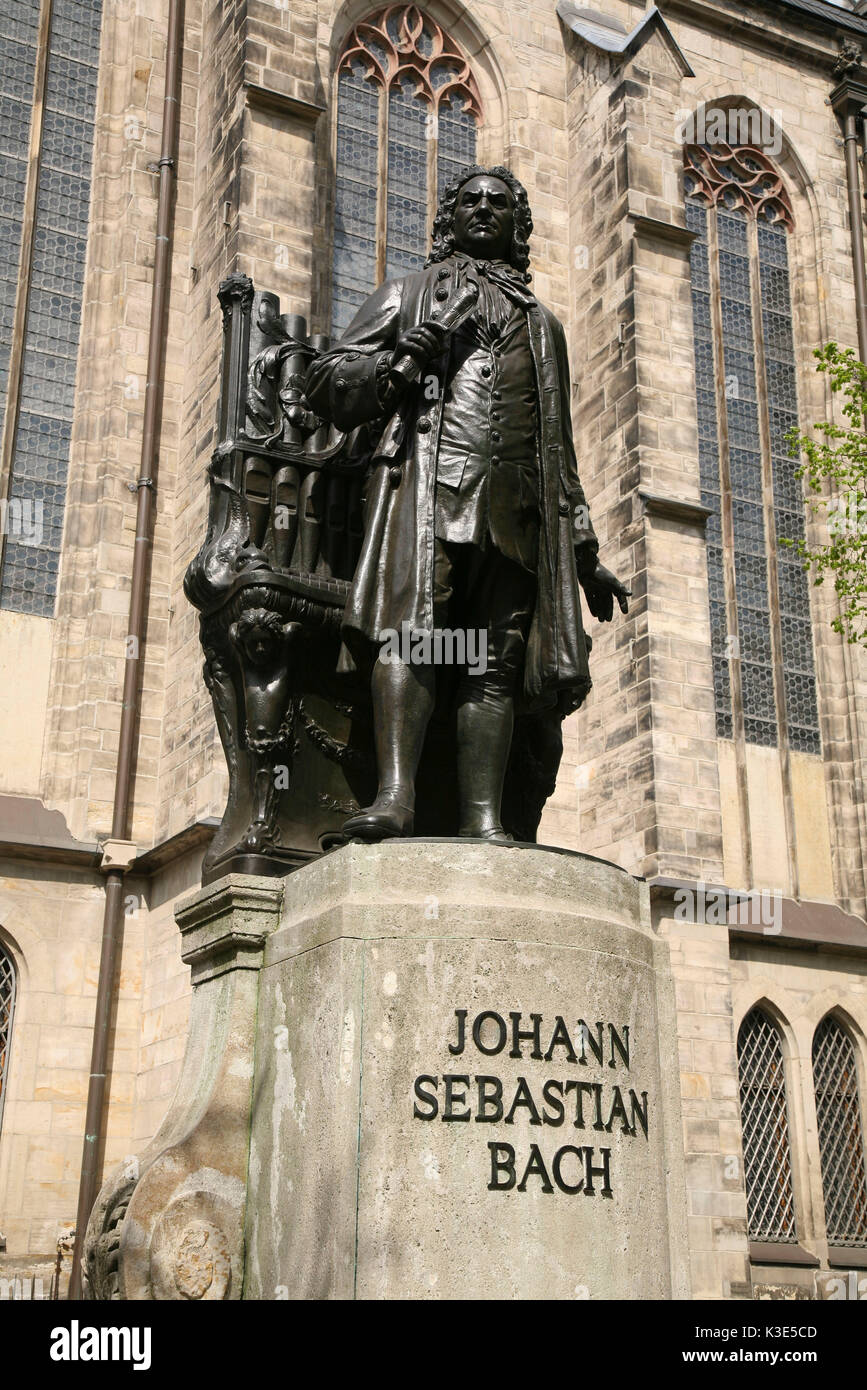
(763, 665)
(408, 109)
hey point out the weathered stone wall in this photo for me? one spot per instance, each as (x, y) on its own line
(51, 925)
(713, 1158)
(89, 650)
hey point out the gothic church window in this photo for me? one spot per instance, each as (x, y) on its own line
(841, 1135)
(7, 1009)
(43, 244)
(407, 113)
(765, 1128)
(761, 635)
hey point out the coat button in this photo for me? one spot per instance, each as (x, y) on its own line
(340, 382)
(495, 436)
(394, 476)
(486, 371)
(564, 508)
(443, 274)
(497, 395)
(441, 295)
(495, 460)
(423, 425)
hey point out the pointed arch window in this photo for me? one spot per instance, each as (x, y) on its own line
(7, 1010)
(763, 666)
(841, 1134)
(765, 1127)
(407, 113)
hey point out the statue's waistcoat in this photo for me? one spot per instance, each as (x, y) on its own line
(487, 465)
(394, 579)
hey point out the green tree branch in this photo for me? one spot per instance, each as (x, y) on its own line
(835, 469)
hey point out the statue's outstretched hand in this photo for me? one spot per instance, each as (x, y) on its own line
(601, 588)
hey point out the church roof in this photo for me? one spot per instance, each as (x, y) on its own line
(609, 34)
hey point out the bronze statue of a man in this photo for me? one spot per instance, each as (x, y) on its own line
(475, 515)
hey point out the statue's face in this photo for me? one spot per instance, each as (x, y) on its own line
(484, 218)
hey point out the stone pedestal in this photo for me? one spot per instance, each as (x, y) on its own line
(387, 1161)
(463, 1084)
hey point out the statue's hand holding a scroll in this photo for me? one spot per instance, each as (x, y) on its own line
(418, 346)
(421, 343)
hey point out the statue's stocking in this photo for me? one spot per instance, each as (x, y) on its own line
(485, 724)
(403, 700)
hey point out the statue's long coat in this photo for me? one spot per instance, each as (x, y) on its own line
(393, 583)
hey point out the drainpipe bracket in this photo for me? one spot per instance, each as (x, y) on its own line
(117, 854)
(849, 97)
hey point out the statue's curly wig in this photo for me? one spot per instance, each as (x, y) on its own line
(443, 227)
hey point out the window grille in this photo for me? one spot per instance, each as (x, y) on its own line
(761, 636)
(43, 425)
(708, 458)
(841, 1135)
(407, 113)
(765, 1126)
(7, 1009)
(20, 21)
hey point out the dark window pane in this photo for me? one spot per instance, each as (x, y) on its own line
(20, 26)
(765, 1126)
(841, 1135)
(799, 681)
(409, 130)
(37, 493)
(456, 141)
(354, 268)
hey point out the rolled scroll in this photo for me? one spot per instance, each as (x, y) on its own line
(456, 309)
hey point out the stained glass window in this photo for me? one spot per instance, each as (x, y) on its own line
(354, 272)
(841, 1135)
(40, 458)
(406, 205)
(407, 114)
(709, 467)
(20, 22)
(793, 588)
(761, 632)
(7, 1009)
(765, 1127)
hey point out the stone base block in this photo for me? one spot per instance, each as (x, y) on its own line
(466, 1082)
(415, 1070)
